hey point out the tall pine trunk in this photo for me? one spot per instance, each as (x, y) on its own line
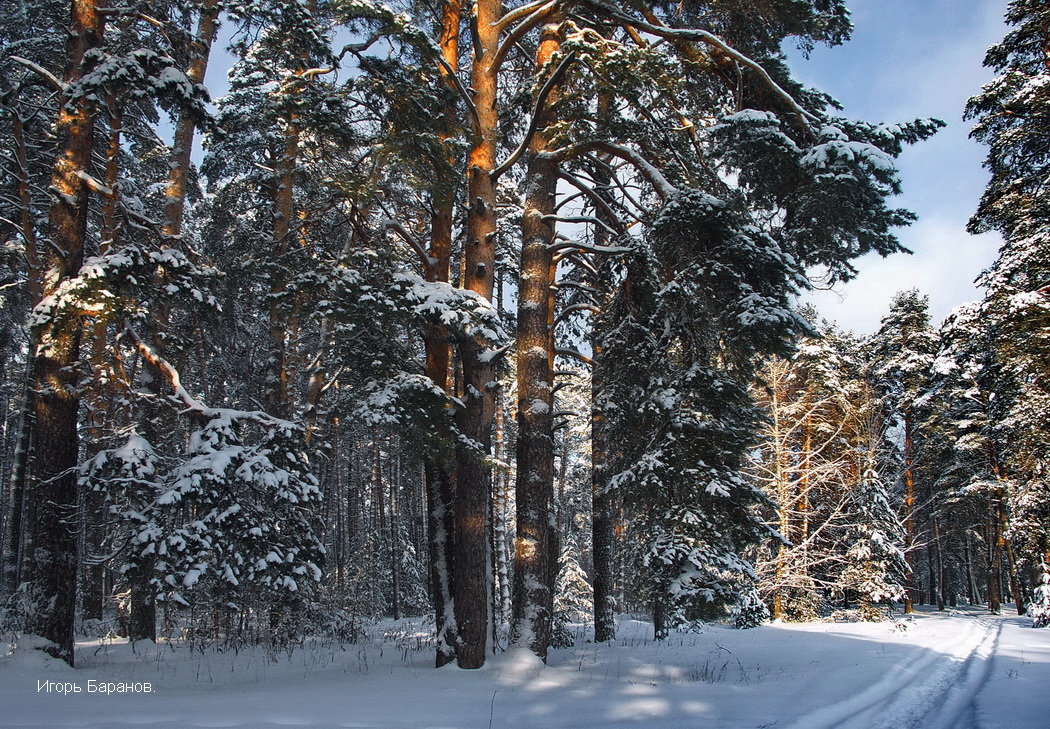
(55, 349)
(437, 471)
(473, 476)
(603, 532)
(995, 559)
(909, 516)
(535, 552)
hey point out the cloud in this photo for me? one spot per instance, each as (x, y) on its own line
(917, 59)
(945, 262)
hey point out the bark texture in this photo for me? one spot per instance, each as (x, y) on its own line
(440, 479)
(55, 350)
(535, 546)
(473, 475)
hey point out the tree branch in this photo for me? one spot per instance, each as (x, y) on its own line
(663, 188)
(541, 100)
(412, 241)
(520, 30)
(710, 39)
(453, 78)
(41, 71)
(575, 355)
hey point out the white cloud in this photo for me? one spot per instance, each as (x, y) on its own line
(910, 60)
(945, 262)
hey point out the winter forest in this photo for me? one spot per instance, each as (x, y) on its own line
(480, 331)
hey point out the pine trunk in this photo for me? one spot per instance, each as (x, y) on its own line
(994, 556)
(603, 532)
(909, 517)
(14, 547)
(939, 559)
(535, 552)
(1007, 547)
(55, 350)
(186, 126)
(437, 471)
(473, 476)
(603, 535)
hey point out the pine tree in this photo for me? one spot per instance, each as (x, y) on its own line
(1011, 114)
(806, 178)
(902, 354)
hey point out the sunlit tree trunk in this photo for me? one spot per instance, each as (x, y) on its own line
(55, 349)
(473, 476)
(535, 553)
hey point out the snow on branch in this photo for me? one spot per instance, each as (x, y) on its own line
(581, 219)
(193, 405)
(541, 100)
(594, 196)
(570, 310)
(656, 178)
(512, 16)
(661, 30)
(587, 247)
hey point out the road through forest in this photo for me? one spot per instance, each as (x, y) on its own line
(964, 669)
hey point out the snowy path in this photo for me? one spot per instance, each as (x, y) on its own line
(927, 690)
(961, 671)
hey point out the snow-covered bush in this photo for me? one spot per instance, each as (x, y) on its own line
(1039, 609)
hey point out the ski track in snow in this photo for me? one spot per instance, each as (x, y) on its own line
(932, 689)
(962, 670)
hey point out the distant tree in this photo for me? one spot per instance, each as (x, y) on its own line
(902, 354)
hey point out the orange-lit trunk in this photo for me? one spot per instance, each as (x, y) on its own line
(535, 552)
(55, 351)
(473, 476)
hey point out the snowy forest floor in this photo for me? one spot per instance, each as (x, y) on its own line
(963, 670)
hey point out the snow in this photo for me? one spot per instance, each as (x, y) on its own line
(965, 670)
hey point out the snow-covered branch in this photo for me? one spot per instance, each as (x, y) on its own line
(541, 101)
(658, 28)
(656, 178)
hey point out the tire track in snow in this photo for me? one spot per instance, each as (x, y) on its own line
(935, 686)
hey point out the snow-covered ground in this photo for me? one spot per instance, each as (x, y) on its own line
(961, 671)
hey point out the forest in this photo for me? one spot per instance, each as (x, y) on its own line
(493, 314)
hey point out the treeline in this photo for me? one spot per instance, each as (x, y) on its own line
(901, 466)
(464, 308)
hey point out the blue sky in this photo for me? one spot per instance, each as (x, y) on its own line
(909, 59)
